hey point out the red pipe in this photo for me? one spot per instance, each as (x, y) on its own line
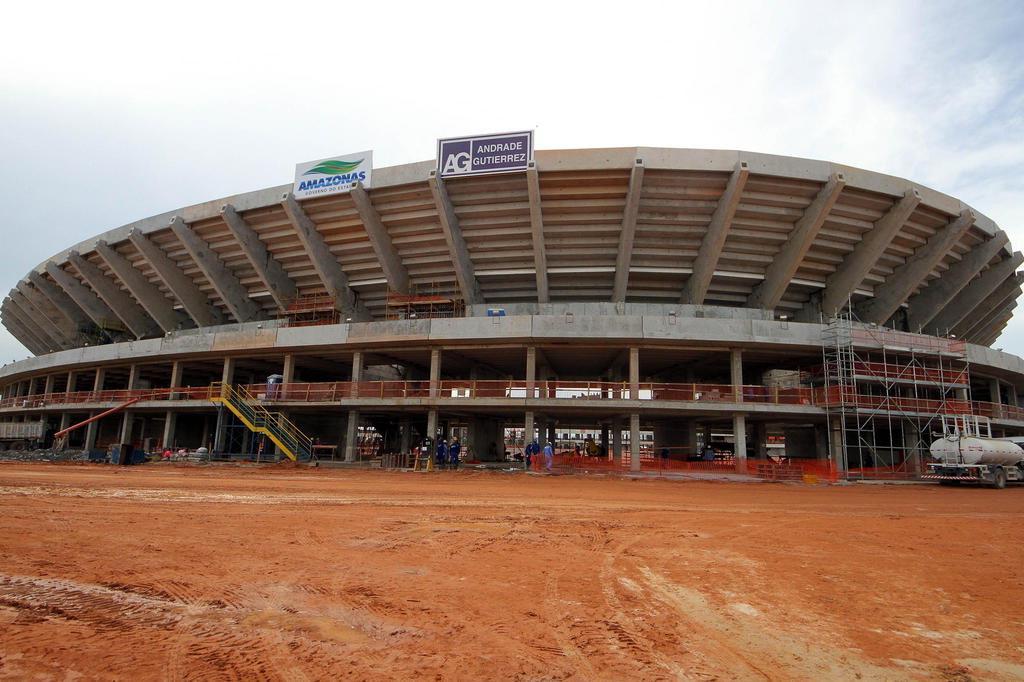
(101, 415)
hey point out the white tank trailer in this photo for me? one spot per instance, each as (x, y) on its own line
(965, 457)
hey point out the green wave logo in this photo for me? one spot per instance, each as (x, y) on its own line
(333, 167)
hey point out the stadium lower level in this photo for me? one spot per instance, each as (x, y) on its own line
(632, 388)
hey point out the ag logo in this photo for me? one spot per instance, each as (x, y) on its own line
(456, 157)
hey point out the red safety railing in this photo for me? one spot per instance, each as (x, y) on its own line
(334, 392)
(113, 396)
(898, 372)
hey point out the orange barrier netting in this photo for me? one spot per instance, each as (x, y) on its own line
(769, 469)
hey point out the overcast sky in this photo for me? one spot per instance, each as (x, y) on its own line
(112, 112)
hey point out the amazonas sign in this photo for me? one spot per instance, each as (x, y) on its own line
(484, 154)
(333, 175)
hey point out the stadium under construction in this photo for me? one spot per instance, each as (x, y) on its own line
(642, 308)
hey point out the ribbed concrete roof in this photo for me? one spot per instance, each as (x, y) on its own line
(628, 224)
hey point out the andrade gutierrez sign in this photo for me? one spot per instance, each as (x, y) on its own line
(484, 154)
(332, 175)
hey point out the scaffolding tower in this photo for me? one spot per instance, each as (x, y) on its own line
(424, 302)
(886, 393)
(312, 309)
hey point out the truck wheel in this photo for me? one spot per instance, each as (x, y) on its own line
(999, 479)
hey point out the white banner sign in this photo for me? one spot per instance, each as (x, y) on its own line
(332, 175)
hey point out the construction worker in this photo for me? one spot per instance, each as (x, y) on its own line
(532, 450)
(549, 454)
(453, 453)
(441, 457)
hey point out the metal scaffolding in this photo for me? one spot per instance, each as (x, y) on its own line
(886, 393)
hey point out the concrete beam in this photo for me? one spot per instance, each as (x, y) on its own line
(159, 307)
(464, 272)
(24, 337)
(380, 240)
(194, 301)
(696, 287)
(61, 301)
(898, 286)
(326, 265)
(998, 327)
(126, 309)
(67, 328)
(224, 281)
(841, 284)
(540, 254)
(96, 309)
(1007, 290)
(36, 315)
(44, 343)
(785, 264)
(281, 287)
(627, 234)
(988, 329)
(980, 322)
(929, 302)
(975, 293)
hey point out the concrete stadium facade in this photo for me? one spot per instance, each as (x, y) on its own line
(623, 291)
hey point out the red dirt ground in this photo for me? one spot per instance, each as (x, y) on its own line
(285, 573)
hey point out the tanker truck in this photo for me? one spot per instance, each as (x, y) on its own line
(964, 455)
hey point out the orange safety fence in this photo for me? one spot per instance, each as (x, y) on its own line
(769, 469)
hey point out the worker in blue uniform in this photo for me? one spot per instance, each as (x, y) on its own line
(441, 457)
(453, 453)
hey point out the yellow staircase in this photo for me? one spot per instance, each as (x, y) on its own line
(282, 432)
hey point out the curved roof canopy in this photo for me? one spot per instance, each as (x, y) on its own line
(800, 237)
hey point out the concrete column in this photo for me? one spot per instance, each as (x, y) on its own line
(605, 439)
(65, 420)
(912, 445)
(91, 430)
(527, 430)
(177, 371)
(205, 436)
(435, 372)
(634, 440)
(170, 421)
(617, 441)
(405, 435)
(760, 440)
(634, 373)
(692, 427)
(1011, 393)
(739, 438)
(995, 391)
(821, 441)
(228, 374)
(101, 375)
(531, 370)
(838, 451)
(218, 431)
(288, 370)
(133, 377)
(432, 427)
(126, 427)
(351, 435)
(736, 373)
(48, 386)
(357, 372)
